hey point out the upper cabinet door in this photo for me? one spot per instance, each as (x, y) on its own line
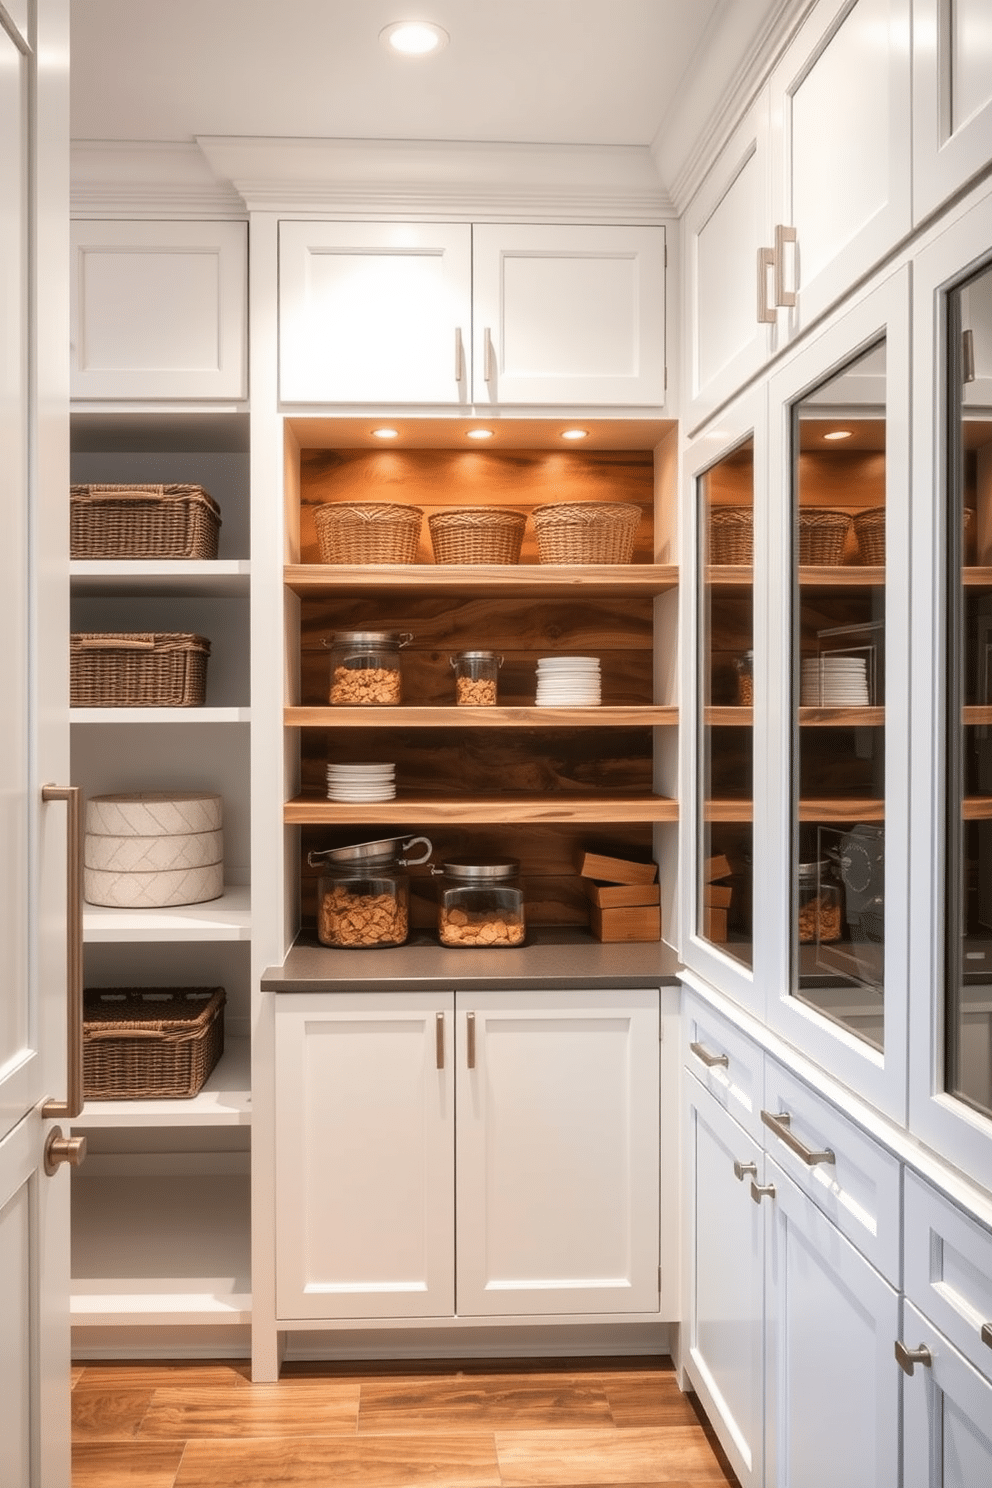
(569, 315)
(840, 118)
(159, 310)
(375, 312)
(952, 98)
(729, 308)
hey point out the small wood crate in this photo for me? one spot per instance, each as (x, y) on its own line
(150, 1043)
(140, 521)
(137, 670)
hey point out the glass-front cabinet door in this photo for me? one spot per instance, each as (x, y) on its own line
(840, 503)
(951, 1047)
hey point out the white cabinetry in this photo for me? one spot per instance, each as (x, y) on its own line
(952, 98)
(159, 310)
(539, 1110)
(445, 313)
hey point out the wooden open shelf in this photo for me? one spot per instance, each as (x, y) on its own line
(538, 581)
(497, 717)
(976, 808)
(854, 808)
(841, 576)
(977, 578)
(426, 810)
(841, 717)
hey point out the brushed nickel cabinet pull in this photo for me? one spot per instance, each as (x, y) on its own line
(489, 367)
(908, 1358)
(439, 1040)
(986, 1334)
(968, 356)
(779, 1124)
(470, 1040)
(783, 236)
(761, 1191)
(73, 1103)
(742, 1169)
(710, 1060)
(459, 356)
(766, 264)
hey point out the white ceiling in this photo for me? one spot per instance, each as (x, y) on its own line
(540, 71)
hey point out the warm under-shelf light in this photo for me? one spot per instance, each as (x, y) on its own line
(575, 433)
(385, 433)
(839, 434)
(414, 38)
(479, 433)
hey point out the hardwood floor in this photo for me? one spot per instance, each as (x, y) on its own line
(506, 1424)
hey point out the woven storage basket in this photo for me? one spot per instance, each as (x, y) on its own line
(822, 535)
(138, 670)
(586, 531)
(367, 532)
(477, 534)
(142, 522)
(150, 1043)
(731, 535)
(869, 529)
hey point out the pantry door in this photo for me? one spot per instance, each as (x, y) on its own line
(34, 1208)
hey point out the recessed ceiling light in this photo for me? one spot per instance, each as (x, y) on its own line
(839, 434)
(414, 38)
(385, 433)
(574, 433)
(479, 433)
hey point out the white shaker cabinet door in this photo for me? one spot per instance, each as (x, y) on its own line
(376, 312)
(840, 122)
(558, 1152)
(952, 98)
(159, 310)
(946, 1412)
(364, 1156)
(569, 315)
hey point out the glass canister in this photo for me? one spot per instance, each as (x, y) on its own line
(818, 903)
(475, 678)
(481, 904)
(363, 895)
(365, 668)
(744, 667)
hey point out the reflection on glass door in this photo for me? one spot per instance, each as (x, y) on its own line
(726, 703)
(838, 697)
(968, 912)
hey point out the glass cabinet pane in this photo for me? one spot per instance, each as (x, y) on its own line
(968, 911)
(726, 765)
(838, 697)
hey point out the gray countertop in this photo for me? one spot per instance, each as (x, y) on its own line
(550, 959)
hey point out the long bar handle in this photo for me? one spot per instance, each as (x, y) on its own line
(488, 357)
(711, 1061)
(439, 1041)
(779, 1124)
(908, 1358)
(459, 356)
(766, 264)
(73, 1103)
(783, 236)
(470, 1040)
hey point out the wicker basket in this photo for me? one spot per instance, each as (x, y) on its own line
(150, 1043)
(477, 534)
(869, 529)
(586, 531)
(732, 535)
(142, 522)
(137, 671)
(822, 535)
(367, 532)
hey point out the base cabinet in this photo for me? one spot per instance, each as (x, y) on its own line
(539, 1110)
(946, 1413)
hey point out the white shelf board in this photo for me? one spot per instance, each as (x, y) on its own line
(225, 1099)
(226, 918)
(160, 715)
(161, 577)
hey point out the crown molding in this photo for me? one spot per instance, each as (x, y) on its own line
(147, 179)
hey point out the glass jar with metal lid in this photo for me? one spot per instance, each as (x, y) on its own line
(818, 903)
(363, 894)
(481, 904)
(475, 678)
(365, 668)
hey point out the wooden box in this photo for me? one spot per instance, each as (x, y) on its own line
(617, 870)
(619, 896)
(628, 922)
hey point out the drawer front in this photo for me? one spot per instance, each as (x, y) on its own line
(853, 1180)
(948, 1271)
(725, 1061)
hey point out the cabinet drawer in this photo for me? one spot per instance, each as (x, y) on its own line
(948, 1273)
(858, 1186)
(725, 1061)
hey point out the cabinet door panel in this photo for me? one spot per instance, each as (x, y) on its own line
(569, 315)
(374, 312)
(947, 1414)
(952, 98)
(832, 1383)
(364, 1158)
(558, 1152)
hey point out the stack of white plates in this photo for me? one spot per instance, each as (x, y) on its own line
(834, 682)
(361, 782)
(568, 682)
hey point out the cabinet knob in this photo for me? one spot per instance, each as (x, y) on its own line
(742, 1169)
(908, 1358)
(761, 1191)
(60, 1149)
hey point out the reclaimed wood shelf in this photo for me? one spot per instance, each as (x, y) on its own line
(841, 717)
(977, 578)
(501, 809)
(837, 809)
(604, 716)
(976, 808)
(840, 576)
(727, 716)
(730, 575)
(533, 580)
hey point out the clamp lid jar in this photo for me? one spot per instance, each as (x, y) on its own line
(481, 904)
(818, 902)
(363, 895)
(365, 668)
(475, 678)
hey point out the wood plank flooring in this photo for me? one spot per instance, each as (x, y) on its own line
(505, 1424)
